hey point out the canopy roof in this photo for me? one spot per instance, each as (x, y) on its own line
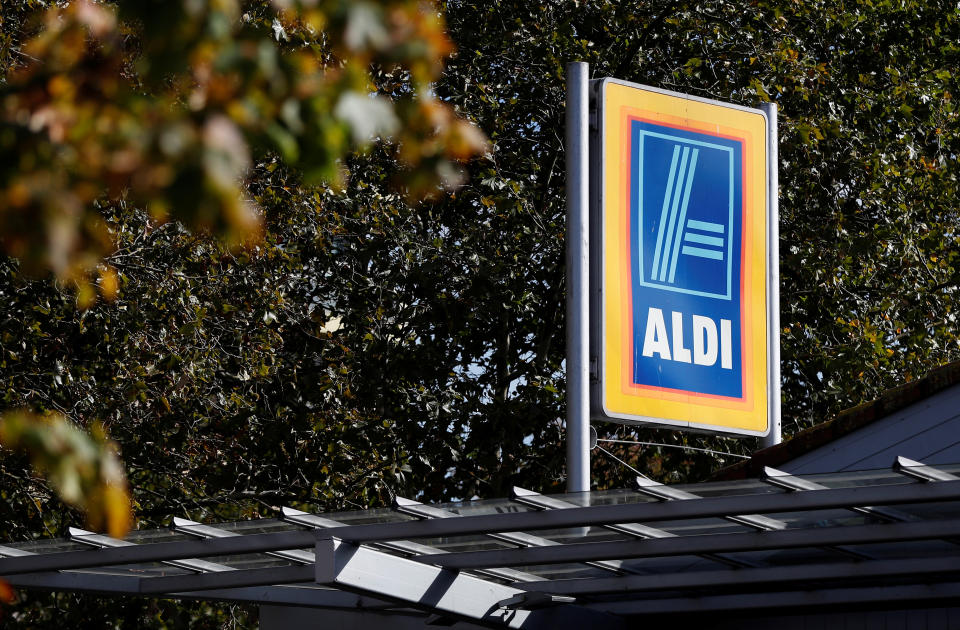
(918, 394)
(872, 538)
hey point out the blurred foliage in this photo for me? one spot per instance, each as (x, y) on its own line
(115, 107)
(163, 104)
(86, 473)
(36, 609)
(366, 346)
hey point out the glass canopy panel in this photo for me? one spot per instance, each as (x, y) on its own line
(484, 506)
(146, 569)
(46, 545)
(822, 519)
(255, 526)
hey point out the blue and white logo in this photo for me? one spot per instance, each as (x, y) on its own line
(686, 213)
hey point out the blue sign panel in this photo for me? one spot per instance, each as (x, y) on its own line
(686, 221)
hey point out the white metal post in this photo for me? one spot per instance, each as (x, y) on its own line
(578, 269)
(773, 277)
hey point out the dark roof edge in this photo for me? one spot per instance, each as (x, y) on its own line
(845, 422)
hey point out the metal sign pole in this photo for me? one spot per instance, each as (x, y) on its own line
(577, 278)
(773, 280)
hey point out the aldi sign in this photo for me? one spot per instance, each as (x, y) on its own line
(683, 263)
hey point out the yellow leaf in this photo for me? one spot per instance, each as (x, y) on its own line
(117, 511)
(86, 296)
(108, 283)
(83, 468)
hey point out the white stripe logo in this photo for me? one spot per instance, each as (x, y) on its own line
(685, 220)
(676, 235)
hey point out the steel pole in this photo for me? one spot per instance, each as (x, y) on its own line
(577, 277)
(773, 276)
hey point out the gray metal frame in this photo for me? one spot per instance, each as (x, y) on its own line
(508, 522)
(356, 567)
(792, 483)
(577, 150)
(744, 579)
(774, 435)
(99, 541)
(520, 539)
(803, 599)
(666, 493)
(401, 546)
(920, 471)
(635, 530)
(645, 571)
(206, 531)
(707, 543)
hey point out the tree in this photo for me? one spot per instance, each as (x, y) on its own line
(372, 346)
(868, 178)
(161, 106)
(114, 114)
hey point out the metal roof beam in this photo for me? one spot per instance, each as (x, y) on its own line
(554, 519)
(206, 531)
(266, 576)
(662, 492)
(804, 599)
(911, 569)
(113, 584)
(100, 541)
(78, 582)
(129, 584)
(305, 519)
(541, 502)
(314, 521)
(155, 552)
(415, 508)
(705, 543)
(537, 500)
(362, 569)
(791, 483)
(645, 512)
(12, 552)
(921, 471)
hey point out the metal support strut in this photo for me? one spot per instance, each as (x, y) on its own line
(774, 437)
(577, 279)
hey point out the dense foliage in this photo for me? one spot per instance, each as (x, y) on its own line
(161, 106)
(369, 346)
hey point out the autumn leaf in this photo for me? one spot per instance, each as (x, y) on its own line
(83, 468)
(6, 593)
(167, 105)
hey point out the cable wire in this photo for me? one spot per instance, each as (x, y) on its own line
(687, 448)
(614, 457)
